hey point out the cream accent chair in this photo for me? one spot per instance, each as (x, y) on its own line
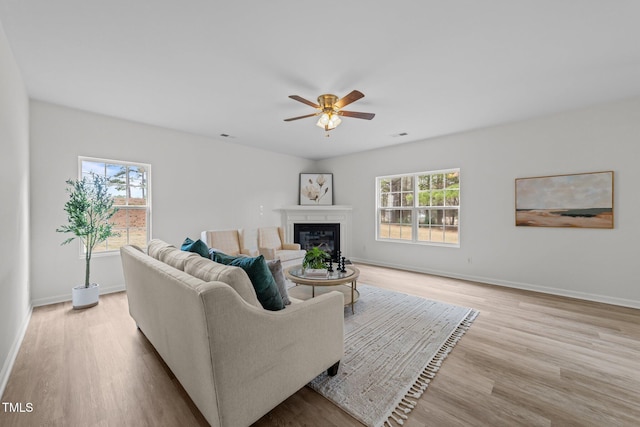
(249, 241)
(230, 242)
(271, 245)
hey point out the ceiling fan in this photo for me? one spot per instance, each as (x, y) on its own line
(330, 109)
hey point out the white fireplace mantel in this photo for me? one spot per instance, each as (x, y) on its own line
(310, 214)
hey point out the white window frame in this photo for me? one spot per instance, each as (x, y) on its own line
(147, 167)
(415, 209)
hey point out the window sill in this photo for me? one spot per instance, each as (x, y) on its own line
(411, 242)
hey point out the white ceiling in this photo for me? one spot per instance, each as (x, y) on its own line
(426, 67)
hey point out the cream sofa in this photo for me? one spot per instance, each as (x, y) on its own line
(235, 359)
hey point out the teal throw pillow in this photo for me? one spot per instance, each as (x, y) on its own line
(260, 276)
(198, 247)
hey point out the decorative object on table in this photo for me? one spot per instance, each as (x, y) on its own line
(316, 272)
(342, 269)
(89, 209)
(582, 200)
(316, 189)
(393, 346)
(330, 269)
(315, 258)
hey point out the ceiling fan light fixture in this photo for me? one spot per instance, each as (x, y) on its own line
(329, 108)
(329, 121)
(334, 121)
(323, 120)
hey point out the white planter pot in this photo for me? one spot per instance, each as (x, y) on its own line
(82, 297)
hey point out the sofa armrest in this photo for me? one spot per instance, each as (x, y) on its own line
(291, 246)
(263, 357)
(269, 253)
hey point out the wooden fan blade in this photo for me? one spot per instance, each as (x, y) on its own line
(301, 117)
(351, 97)
(357, 115)
(304, 101)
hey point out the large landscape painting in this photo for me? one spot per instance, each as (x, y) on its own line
(577, 200)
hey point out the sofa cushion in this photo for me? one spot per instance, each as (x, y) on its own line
(275, 266)
(197, 246)
(210, 271)
(155, 246)
(260, 276)
(175, 257)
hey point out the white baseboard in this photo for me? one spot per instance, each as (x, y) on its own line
(13, 352)
(67, 297)
(517, 285)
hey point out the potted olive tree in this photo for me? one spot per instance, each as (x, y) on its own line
(89, 209)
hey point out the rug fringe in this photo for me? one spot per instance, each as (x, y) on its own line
(406, 405)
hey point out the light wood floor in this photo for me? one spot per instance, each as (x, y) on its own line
(528, 360)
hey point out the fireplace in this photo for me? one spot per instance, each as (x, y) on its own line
(327, 236)
(306, 215)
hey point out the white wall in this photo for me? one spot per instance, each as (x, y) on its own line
(15, 306)
(198, 183)
(586, 263)
(205, 183)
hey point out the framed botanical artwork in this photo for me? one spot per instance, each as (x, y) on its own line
(316, 189)
(583, 200)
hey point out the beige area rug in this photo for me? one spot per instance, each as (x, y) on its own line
(394, 345)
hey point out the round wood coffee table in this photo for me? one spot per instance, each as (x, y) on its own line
(345, 282)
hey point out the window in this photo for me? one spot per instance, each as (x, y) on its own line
(130, 185)
(419, 208)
